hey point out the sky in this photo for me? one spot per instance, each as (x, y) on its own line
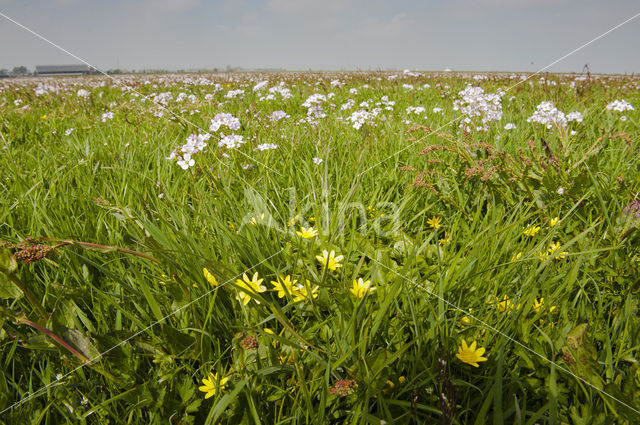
(464, 35)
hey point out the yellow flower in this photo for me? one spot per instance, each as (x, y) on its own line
(469, 354)
(162, 282)
(554, 221)
(465, 320)
(301, 293)
(254, 221)
(537, 305)
(402, 380)
(213, 385)
(361, 287)
(210, 278)
(329, 260)
(516, 256)
(283, 286)
(307, 232)
(532, 231)
(445, 240)
(247, 287)
(553, 248)
(504, 305)
(434, 222)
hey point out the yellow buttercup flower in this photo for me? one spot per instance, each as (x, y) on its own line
(361, 287)
(445, 240)
(212, 385)
(304, 293)
(248, 287)
(210, 278)
(537, 305)
(555, 246)
(283, 285)
(504, 305)
(330, 260)
(307, 232)
(470, 354)
(464, 321)
(554, 221)
(434, 222)
(531, 231)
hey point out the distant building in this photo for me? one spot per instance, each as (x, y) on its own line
(63, 70)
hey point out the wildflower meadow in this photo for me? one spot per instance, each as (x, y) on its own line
(291, 248)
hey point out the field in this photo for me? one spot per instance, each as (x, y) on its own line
(361, 248)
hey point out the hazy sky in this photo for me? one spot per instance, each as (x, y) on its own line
(509, 35)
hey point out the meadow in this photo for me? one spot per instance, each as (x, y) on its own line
(285, 248)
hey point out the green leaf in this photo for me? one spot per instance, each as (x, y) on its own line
(8, 264)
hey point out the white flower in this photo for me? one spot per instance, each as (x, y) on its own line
(260, 85)
(560, 191)
(509, 126)
(317, 161)
(195, 143)
(234, 93)
(225, 119)
(415, 110)
(68, 131)
(82, 93)
(574, 116)
(547, 114)
(106, 116)
(474, 104)
(266, 147)
(623, 118)
(278, 115)
(232, 141)
(620, 106)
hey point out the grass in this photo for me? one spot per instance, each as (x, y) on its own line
(107, 316)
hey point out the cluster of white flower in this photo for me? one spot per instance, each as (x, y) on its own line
(278, 115)
(260, 85)
(574, 116)
(353, 91)
(317, 161)
(475, 102)
(68, 131)
(82, 93)
(266, 147)
(509, 126)
(347, 105)
(336, 83)
(620, 106)
(182, 154)
(280, 89)
(232, 141)
(407, 86)
(228, 120)
(415, 110)
(163, 98)
(388, 104)
(231, 94)
(547, 114)
(106, 116)
(314, 107)
(182, 96)
(359, 118)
